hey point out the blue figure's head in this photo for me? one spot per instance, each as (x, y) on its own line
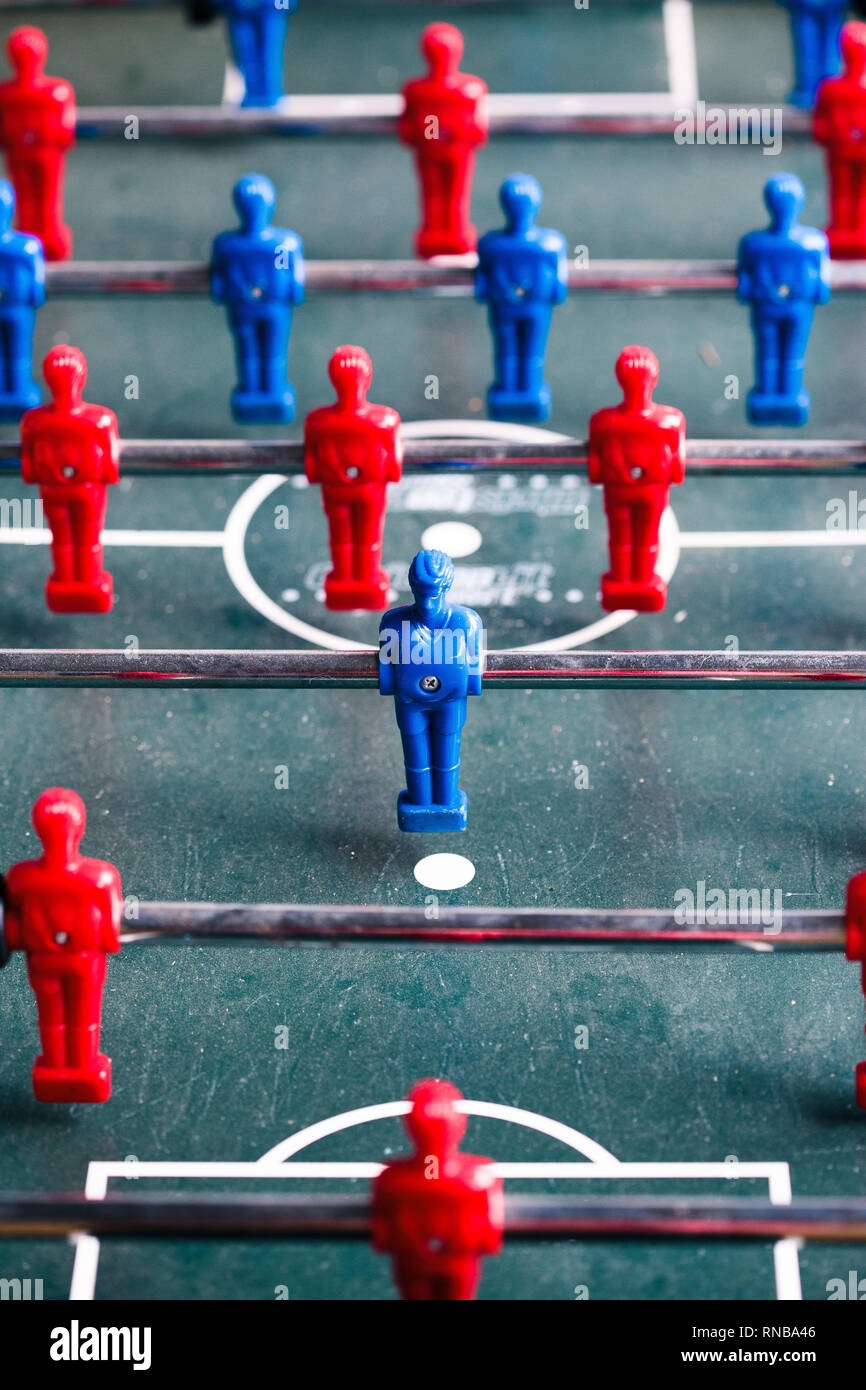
(7, 205)
(255, 200)
(785, 196)
(520, 196)
(431, 575)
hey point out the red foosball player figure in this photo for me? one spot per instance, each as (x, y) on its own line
(71, 450)
(855, 920)
(37, 127)
(444, 120)
(840, 125)
(64, 911)
(439, 1212)
(636, 451)
(354, 449)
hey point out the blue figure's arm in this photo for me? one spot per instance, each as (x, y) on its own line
(388, 640)
(475, 650)
(482, 286)
(217, 273)
(36, 269)
(561, 273)
(824, 273)
(296, 263)
(745, 272)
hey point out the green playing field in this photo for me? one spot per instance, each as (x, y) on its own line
(220, 1054)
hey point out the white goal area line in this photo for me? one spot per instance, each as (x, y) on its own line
(786, 1259)
(680, 53)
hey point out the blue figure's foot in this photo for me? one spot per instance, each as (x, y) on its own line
(804, 97)
(257, 408)
(764, 409)
(432, 819)
(262, 100)
(519, 407)
(13, 407)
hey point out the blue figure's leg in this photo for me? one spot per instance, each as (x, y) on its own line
(6, 368)
(447, 722)
(779, 361)
(246, 352)
(504, 330)
(832, 28)
(507, 398)
(534, 330)
(258, 43)
(794, 342)
(276, 363)
(18, 390)
(414, 727)
(809, 56)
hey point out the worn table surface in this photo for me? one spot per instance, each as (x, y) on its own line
(689, 1058)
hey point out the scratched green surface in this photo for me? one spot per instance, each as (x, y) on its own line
(689, 1058)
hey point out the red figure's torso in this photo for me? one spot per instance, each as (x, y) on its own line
(61, 910)
(36, 117)
(459, 106)
(67, 452)
(353, 451)
(637, 452)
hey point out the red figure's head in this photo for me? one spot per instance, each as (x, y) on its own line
(59, 819)
(442, 46)
(853, 43)
(27, 51)
(637, 371)
(351, 372)
(434, 1125)
(65, 372)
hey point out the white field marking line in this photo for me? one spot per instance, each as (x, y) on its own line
(193, 540)
(499, 104)
(785, 1252)
(246, 506)
(699, 540)
(335, 1124)
(679, 28)
(531, 434)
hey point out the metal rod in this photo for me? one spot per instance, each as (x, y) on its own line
(325, 924)
(707, 458)
(346, 1217)
(438, 277)
(523, 114)
(525, 669)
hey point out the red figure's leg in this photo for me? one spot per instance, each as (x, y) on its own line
(57, 514)
(368, 526)
(339, 537)
(460, 199)
(24, 176)
(619, 521)
(645, 545)
(49, 192)
(82, 995)
(87, 519)
(50, 1012)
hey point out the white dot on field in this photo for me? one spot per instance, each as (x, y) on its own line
(574, 596)
(456, 538)
(290, 595)
(444, 871)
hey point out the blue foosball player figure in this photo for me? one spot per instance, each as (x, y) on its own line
(815, 28)
(783, 272)
(522, 273)
(257, 38)
(257, 272)
(431, 657)
(22, 292)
